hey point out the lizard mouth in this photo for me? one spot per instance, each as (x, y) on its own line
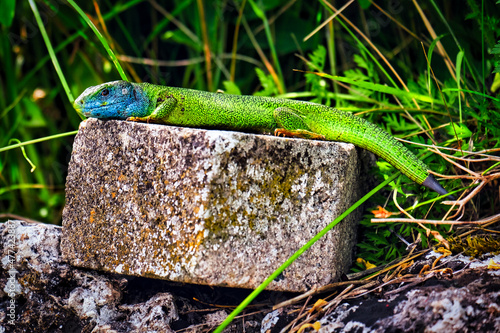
(103, 111)
(78, 108)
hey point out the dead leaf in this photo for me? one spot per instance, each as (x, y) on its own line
(316, 326)
(493, 265)
(382, 213)
(365, 263)
(318, 306)
(440, 238)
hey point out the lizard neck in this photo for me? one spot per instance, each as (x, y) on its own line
(141, 104)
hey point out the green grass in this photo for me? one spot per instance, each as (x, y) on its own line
(426, 73)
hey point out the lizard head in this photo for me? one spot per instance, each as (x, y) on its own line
(117, 99)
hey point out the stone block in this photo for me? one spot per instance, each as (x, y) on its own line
(210, 207)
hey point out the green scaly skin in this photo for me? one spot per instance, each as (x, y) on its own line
(193, 108)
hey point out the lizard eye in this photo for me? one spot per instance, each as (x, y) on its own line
(105, 92)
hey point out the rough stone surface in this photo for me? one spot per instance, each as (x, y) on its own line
(470, 302)
(208, 207)
(51, 296)
(41, 293)
(464, 299)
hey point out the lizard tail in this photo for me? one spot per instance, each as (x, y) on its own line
(433, 184)
(343, 126)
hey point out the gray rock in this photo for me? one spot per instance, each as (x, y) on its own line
(466, 301)
(154, 314)
(208, 207)
(48, 295)
(41, 293)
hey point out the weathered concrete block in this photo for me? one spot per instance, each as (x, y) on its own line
(210, 207)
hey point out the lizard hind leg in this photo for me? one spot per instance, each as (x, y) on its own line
(291, 124)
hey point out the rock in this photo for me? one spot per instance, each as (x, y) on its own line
(465, 301)
(47, 295)
(208, 207)
(154, 314)
(39, 292)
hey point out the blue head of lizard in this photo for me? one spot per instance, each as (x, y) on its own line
(117, 100)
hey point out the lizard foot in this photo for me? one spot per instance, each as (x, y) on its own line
(143, 120)
(136, 119)
(303, 134)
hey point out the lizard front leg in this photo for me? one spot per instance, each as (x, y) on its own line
(291, 124)
(163, 107)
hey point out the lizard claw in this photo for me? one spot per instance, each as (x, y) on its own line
(280, 132)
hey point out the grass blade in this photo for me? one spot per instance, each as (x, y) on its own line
(474, 93)
(45, 138)
(429, 56)
(101, 39)
(260, 14)
(206, 44)
(51, 50)
(460, 57)
(383, 89)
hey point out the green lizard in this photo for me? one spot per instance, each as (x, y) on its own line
(193, 108)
